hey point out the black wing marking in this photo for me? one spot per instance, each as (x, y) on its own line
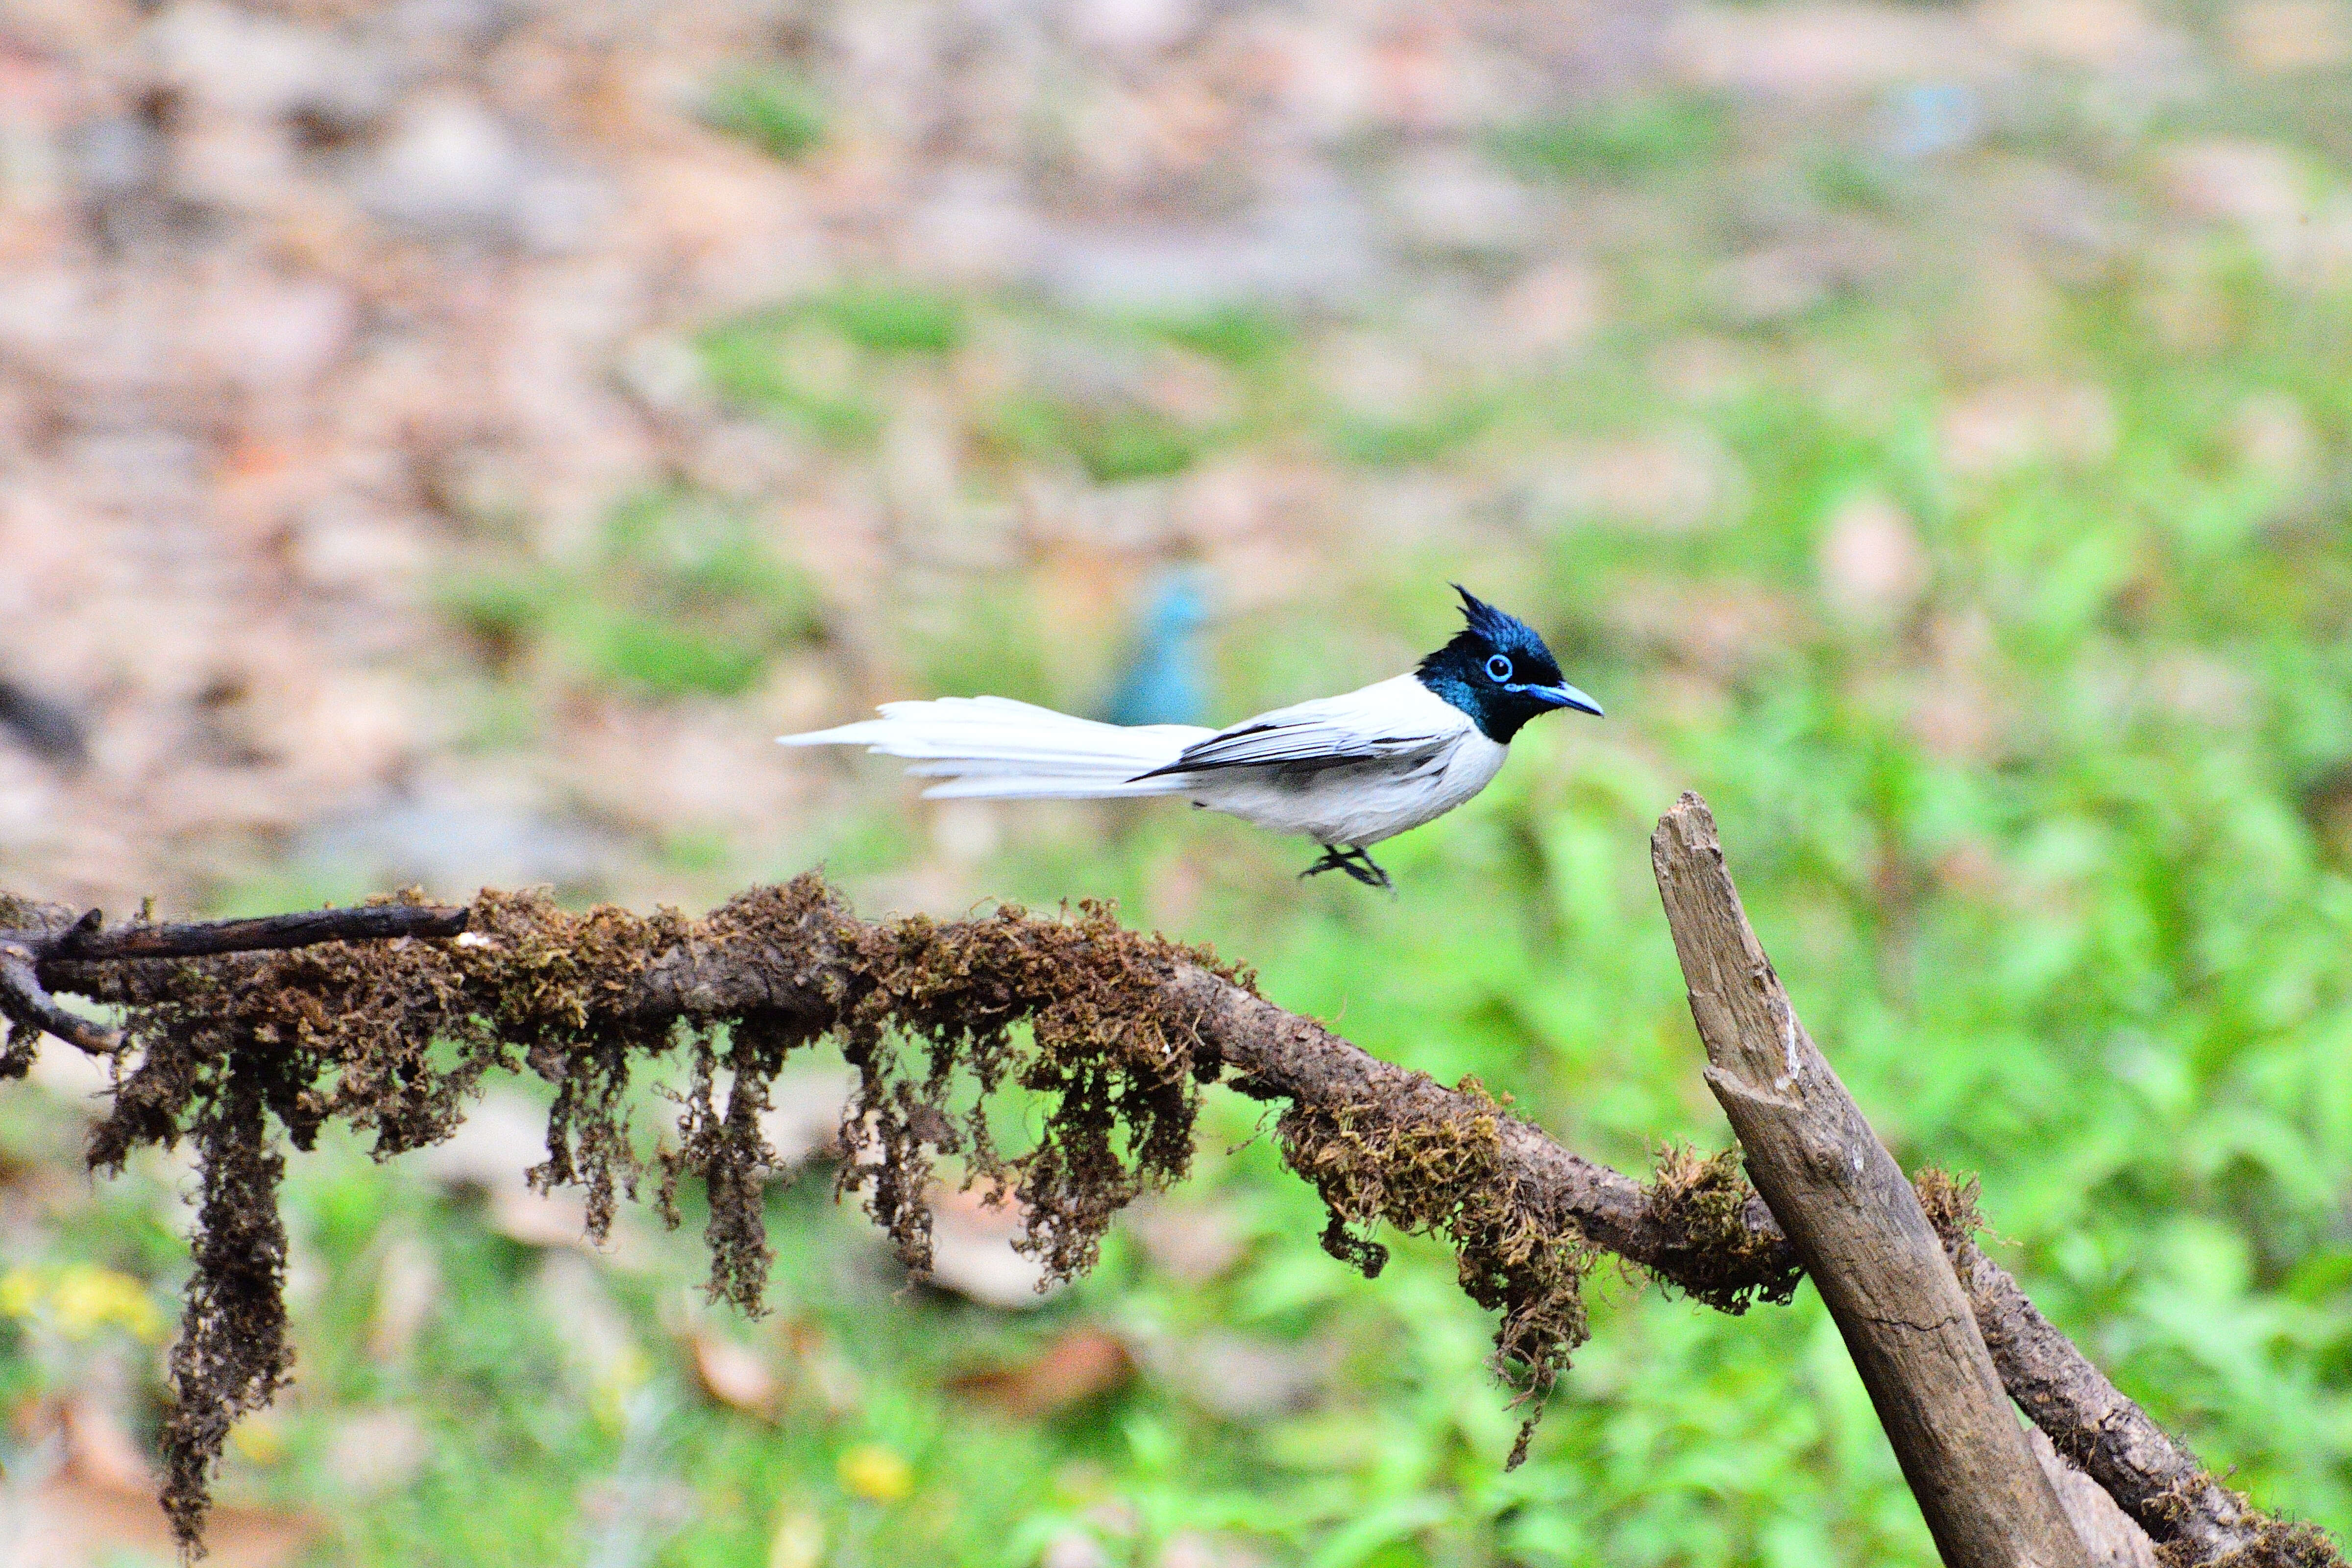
(1305, 743)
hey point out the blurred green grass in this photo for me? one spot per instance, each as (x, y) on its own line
(776, 111)
(1623, 139)
(681, 596)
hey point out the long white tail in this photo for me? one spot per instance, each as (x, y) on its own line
(994, 746)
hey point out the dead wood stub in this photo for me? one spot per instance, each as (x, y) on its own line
(1859, 1228)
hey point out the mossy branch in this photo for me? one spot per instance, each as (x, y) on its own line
(1123, 1031)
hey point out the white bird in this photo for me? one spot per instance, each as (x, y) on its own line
(1347, 772)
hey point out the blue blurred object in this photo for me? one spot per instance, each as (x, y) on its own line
(1931, 117)
(1161, 681)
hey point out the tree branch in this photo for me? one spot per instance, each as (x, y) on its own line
(795, 961)
(307, 928)
(2153, 1478)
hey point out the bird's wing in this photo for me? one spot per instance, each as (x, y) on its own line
(1393, 720)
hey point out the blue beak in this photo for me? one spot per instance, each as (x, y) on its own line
(1564, 697)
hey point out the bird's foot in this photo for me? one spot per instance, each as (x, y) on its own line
(1354, 862)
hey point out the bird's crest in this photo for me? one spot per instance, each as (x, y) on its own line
(1498, 627)
(1496, 631)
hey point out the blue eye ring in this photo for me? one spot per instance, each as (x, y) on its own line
(1499, 669)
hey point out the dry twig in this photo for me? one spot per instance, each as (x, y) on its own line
(50, 938)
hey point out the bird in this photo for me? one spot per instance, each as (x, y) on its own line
(1347, 772)
(1161, 682)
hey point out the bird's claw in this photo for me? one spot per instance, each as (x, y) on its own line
(1355, 863)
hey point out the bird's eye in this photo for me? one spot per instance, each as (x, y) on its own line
(1499, 669)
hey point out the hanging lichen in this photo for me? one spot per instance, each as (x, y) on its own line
(391, 1038)
(1443, 1175)
(939, 1019)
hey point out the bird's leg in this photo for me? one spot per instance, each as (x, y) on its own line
(1332, 862)
(1354, 862)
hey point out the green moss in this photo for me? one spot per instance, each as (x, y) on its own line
(1443, 1175)
(1721, 1261)
(391, 1039)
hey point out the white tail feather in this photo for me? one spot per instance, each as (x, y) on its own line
(995, 747)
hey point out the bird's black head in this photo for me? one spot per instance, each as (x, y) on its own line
(1497, 670)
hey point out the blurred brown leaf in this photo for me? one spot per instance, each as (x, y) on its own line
(98, 1505)
(71, 1523)
(1082, 1364)
(2101, 34)
(1192, 1549)
(2271, 36)
(1872, 567)
(1821, 53)
(101, 1451)
(1194, 1242)
(733, 1374)
(972, 1253)
(2013, 424)
(2258, 184)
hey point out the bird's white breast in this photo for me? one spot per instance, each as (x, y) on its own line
(1365, 803)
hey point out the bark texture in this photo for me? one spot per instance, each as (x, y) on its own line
(1859, 1230)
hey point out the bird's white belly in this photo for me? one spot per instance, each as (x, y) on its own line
(1356, 803)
